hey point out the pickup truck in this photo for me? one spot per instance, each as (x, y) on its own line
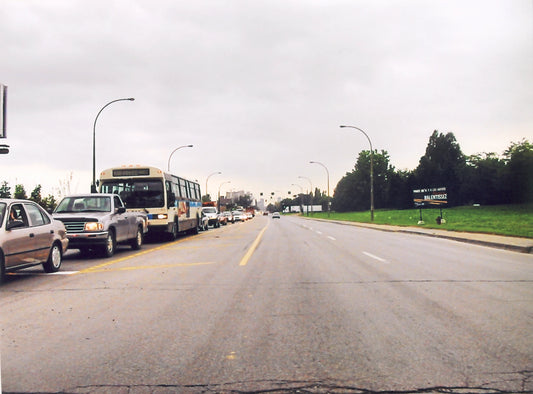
(99, 222)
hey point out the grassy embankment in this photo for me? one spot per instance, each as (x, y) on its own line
(513, 220)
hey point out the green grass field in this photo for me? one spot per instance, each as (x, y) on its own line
(514, 220)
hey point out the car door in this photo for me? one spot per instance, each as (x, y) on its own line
(43, 233)
(19, 245)
(121, 220)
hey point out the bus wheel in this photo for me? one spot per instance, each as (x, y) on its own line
(195, 229)
(174, 232)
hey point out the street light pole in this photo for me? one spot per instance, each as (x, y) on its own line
(223, 183)
(209, 176)
(301, 192)
(93, 185)
(179, 147)
(311, 186)
(371, 171)
(327, 172)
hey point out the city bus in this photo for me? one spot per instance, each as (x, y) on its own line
(173, 204)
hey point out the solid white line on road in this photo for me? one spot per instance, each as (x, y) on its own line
(319, 232)
(330, 237)
(375, 257)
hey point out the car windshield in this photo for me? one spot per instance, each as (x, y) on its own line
(210, 209)
(84, 204)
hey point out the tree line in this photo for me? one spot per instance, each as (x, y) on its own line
(485, 178)
(49, 202)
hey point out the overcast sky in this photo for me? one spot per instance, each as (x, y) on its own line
(258, 87)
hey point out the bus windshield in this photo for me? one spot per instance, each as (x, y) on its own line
(137, 193)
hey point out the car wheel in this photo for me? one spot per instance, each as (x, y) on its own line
(2, 268)
(137, 242)
(110, 245)
(54, 259)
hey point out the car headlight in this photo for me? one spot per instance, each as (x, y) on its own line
(94, 226)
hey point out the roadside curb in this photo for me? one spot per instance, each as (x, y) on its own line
(522, 245)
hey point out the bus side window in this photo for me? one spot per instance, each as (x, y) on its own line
(171, 197)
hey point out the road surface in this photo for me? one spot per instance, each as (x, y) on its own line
(274, 304)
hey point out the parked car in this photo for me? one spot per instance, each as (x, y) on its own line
(239, 216)
(222, 219)
(276, 215)
(204, 222)
(229, 216)
(99, 221)
(29, 236)
(212, 214)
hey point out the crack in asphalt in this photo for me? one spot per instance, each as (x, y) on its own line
(283, 387)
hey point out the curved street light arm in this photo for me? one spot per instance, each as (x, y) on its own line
(179, 147)
(209, 176)
(93, 185)
(327, 173)
(371, 170)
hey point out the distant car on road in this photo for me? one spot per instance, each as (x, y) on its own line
(239, 216)
(222, 219)
(276, 215)
(212, 214)
(29, 236)
(229, 216)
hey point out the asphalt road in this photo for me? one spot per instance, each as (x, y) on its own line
(270, 304)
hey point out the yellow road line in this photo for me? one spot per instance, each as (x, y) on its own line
(250, 251)
(100, 266)
(144, 267)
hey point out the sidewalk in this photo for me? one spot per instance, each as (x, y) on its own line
(523, 245)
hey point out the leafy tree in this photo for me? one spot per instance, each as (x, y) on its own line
(442, 165)
(49, 203)
(485, 180)
(353, 191)
(36, 194)
(20, 192)
(520, 171)
(245, 201)
(5, 190)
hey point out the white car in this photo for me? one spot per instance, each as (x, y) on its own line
(239, 216)
(276, 215)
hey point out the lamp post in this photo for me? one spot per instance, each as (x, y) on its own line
(301, 192)
(327, 172)
(223, 183)
(179, 147)
(93, 185)
(371, 171)
(209, 176)
(311, 188)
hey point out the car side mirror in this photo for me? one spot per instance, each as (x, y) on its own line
(121, 210)
(15, 224)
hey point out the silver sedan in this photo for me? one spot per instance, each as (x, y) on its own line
(29, 236)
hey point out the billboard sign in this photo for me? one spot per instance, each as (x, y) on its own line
(430, 196)
(3, 110)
